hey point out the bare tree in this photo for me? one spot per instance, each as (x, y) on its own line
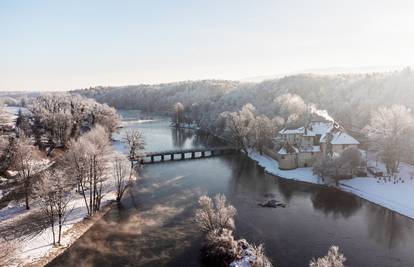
(178, 117)
(23, 164)
(388, 133)
(122, 173)
(54, 192)
(135, 143)
(195, 113)
(334, 258)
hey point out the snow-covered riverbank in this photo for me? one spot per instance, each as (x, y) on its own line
(395, 193)
(272, 166)
(35, 247)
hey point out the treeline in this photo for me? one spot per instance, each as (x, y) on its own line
(162, 97)
(348, 98)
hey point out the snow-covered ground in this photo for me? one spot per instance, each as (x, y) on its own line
(395, 193)
(30, 249)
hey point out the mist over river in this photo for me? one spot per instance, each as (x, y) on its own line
(154, 226)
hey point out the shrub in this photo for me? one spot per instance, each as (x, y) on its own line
(333, 259)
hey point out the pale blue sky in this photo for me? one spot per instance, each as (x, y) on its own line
(61, 45)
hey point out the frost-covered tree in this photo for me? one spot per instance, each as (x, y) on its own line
(79, 109)
(292, 108)
(122, 173)
(59, 117)
(221, 246)
(87, 161)
(104, 115)
(5, 119)
(4, 143)
(6, 152)
(263, 132)
(215, 215)
(216, 219)
(195, 112)
(389, 130)
(239, 126)
(351, 160)
(135, 143)
(334, 258)
(54, 191)
(342, 166)
(50, 114)
(23, 164)
(23, 122)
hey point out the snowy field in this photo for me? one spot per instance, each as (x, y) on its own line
(395, 193)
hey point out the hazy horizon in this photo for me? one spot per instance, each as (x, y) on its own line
(250, 79)
(53, 46)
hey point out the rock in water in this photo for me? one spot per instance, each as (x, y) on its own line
(272, 203)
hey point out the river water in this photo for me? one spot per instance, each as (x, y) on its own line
(154, 225)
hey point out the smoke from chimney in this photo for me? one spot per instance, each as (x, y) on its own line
(323, 113)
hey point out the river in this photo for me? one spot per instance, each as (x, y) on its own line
(154, 225)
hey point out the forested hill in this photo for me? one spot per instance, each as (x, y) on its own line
(348, 98)
(161, 97)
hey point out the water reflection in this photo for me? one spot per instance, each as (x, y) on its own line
(388, 228)
(186, 138)
(332, 201)
(181, 136)
(291, 189)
